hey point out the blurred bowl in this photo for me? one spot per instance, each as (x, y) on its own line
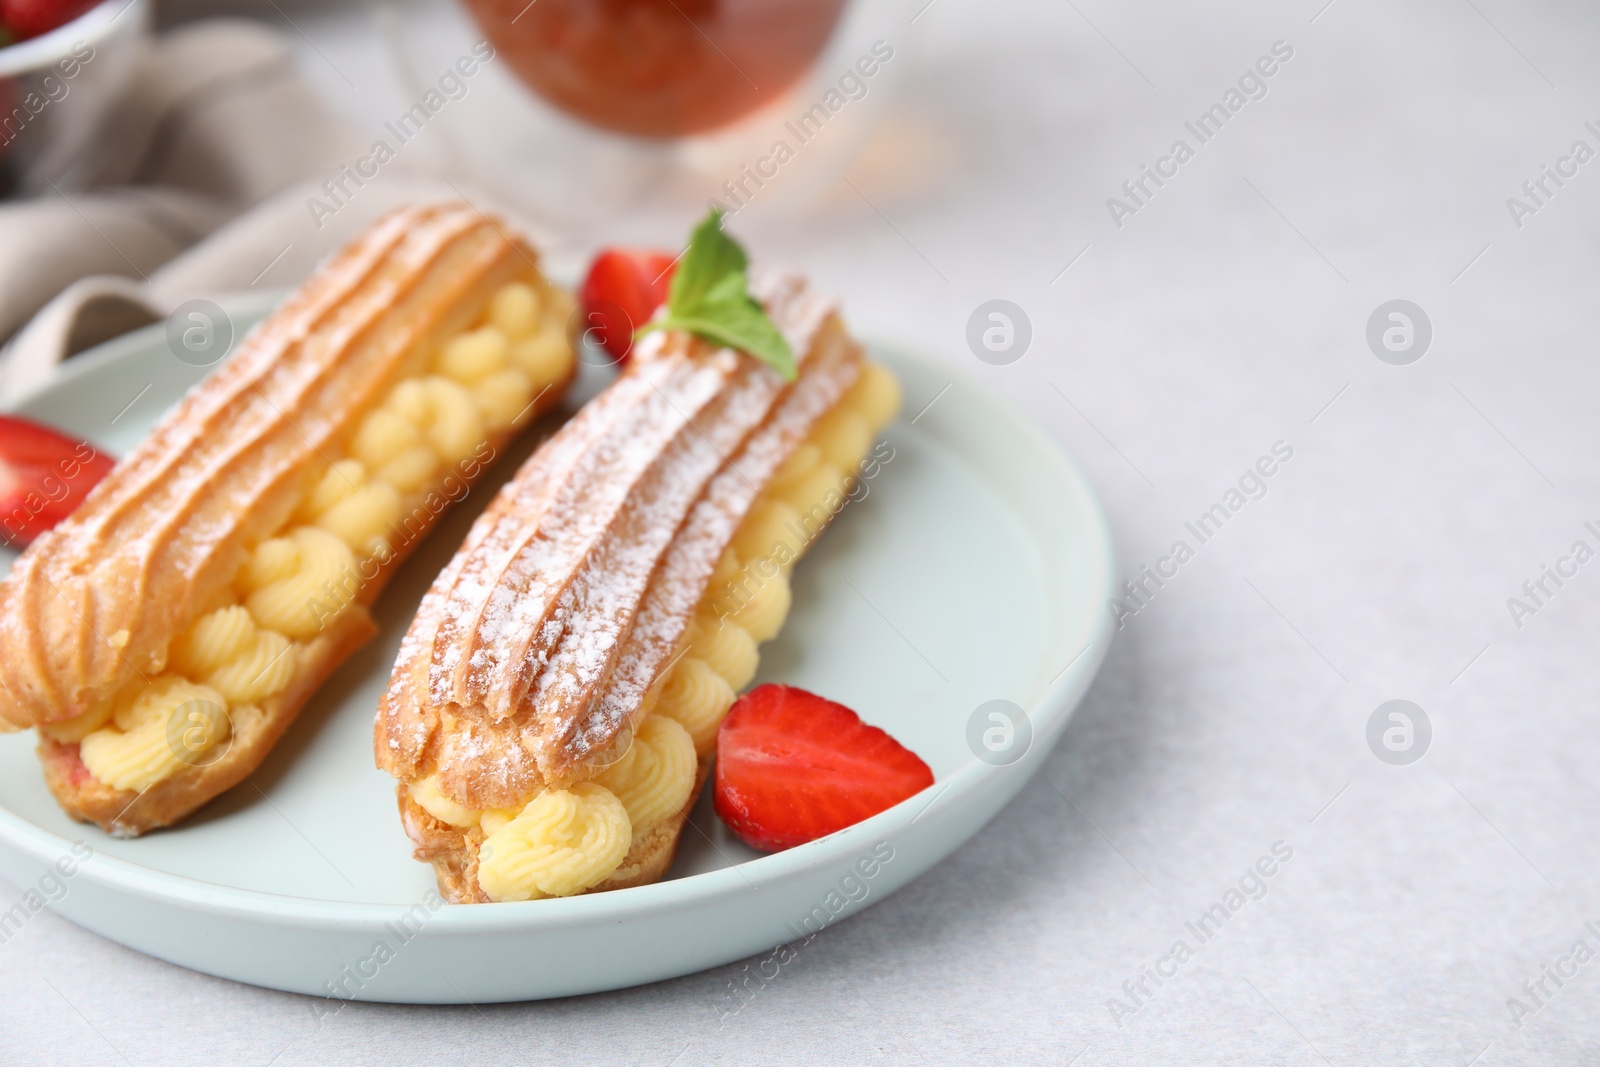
(56, 91)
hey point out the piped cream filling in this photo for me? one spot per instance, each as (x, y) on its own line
(565, 840)
(400, 467)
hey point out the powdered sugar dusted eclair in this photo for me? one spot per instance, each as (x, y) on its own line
(554, 707)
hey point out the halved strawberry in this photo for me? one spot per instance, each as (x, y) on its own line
(622, 290)
(793, 767)
(44, 475)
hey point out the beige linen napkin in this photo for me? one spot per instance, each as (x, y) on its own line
(217, 150)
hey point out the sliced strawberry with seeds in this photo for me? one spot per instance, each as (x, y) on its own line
(44, 476)
(793, 767)
(622, 290)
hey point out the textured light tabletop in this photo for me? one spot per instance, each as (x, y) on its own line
(1423, 912)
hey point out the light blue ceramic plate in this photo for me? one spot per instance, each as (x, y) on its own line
(976, 569)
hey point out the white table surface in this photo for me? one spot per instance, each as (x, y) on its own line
(1228, 314)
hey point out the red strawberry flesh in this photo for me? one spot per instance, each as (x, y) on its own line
(623, 288)
(30, 18)
(44, 476)
(793, 767)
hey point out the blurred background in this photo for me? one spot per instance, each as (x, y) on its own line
(1186, 311)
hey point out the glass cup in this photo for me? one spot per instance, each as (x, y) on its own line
(642, 111)
(658, 68)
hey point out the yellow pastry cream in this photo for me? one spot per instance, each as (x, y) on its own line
(567, 840)
(398, 466)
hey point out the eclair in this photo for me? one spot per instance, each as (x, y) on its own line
(554, 707)
(165, 635)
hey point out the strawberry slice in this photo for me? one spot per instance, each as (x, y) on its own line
(793, 767)
(30, 18)
(622, 290)
(44, 475)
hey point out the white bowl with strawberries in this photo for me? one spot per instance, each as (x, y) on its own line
(63, 65)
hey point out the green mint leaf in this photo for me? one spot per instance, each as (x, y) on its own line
(712, 257)
(745, 328)
(709, 297)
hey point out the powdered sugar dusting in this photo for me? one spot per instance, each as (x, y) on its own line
(606, 594)
(503, 530)
(537, 643)
(530, 604)
(681, 581)
(793, 306)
